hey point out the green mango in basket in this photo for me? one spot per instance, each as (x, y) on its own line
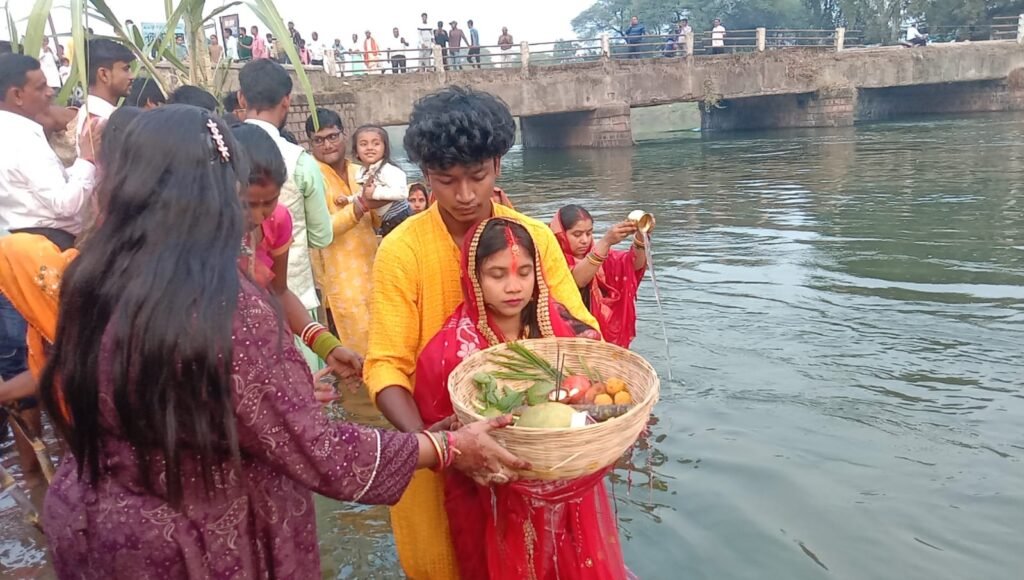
(547, 416)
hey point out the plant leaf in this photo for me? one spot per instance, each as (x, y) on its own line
(218, 11)
(12, 28)
(32, 43)
(266, 11)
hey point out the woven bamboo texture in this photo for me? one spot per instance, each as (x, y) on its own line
(557, 454)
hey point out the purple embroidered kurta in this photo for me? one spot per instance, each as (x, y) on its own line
(260, 523)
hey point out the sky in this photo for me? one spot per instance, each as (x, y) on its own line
(530, 20)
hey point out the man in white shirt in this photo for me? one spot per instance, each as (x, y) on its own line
(36, 193)
(685, 31)
(230, 44)
(396, 52)
(426, 42)
(718, 38)
(914, 36)
(110, 80)
(317, 51)
(51, 70)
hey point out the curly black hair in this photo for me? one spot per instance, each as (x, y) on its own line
(458, 126)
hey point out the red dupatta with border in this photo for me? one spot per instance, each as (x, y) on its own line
(528, 529)
(612, 293)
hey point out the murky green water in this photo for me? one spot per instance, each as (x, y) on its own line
(846, 311)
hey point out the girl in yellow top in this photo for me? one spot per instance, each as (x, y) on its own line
(344, 268)
(458, 137)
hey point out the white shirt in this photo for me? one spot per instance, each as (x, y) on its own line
(718, 36)
(50, 69)
(913, 32)
(231, 47)
(93, 106)
(684, 32)
(426, 33)
(317, 50)
(395, 46)
(35, 189)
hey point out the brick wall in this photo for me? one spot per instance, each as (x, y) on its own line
(343, 103)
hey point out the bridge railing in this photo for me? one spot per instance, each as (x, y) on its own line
(669, 45)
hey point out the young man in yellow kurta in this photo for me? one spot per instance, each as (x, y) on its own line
(458, 137)
(344, 268)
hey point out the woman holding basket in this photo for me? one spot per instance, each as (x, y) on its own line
(549, 529)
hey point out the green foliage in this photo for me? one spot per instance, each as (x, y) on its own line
(879, 20)
(195, 71)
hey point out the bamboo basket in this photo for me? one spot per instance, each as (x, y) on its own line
(558, 454)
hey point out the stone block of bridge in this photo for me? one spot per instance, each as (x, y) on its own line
(833, 107)
(605, 127)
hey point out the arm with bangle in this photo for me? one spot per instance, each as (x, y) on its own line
(587, 268)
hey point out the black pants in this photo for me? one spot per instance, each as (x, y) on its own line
(398, 64)
(717, 50)
(474, 57)
(319, 63)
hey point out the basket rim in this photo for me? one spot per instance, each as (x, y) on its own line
(649, 400)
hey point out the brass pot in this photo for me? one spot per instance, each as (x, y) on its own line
(644, 221)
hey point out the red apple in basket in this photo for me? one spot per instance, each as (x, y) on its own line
(572, 391)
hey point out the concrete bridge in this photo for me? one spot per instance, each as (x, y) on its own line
(588, 104)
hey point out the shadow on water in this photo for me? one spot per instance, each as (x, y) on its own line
(845, 309)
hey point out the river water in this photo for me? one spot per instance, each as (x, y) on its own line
(846, 315)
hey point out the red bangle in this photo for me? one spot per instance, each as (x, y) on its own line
(452, 450)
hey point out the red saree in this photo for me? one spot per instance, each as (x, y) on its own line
(611, 296)
(529, 529)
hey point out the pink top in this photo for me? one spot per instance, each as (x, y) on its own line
(277, 238)
(259, 48)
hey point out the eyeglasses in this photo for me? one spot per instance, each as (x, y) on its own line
(331, 138)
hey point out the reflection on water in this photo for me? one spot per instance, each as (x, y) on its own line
(845, 309)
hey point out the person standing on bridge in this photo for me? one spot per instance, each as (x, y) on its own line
(685, 32)
(505, 43)
(474, 46)
(441, 39)
(425, 34)
(456, 38)
(635, 37)
(718, 37)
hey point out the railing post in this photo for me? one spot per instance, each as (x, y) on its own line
(1020, 29)
(438, 61)
(689, 45)
(524, 51)
(762, 35)
(840, 38)
(606, 45)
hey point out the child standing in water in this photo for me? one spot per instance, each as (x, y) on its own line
(381, 179)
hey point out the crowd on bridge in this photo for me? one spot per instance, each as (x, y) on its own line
(179, 281)
(400, 50)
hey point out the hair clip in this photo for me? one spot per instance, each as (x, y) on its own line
(218, 140)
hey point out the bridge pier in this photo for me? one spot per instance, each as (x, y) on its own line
(833, 107)
(607, 126)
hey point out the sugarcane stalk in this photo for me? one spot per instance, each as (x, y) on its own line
(9, 485)
(38, 446)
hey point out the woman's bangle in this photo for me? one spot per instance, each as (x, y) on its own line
(324, 344)
(437, 449)
(310, 333)
(638, 243)
(596, 260)
(453, 451)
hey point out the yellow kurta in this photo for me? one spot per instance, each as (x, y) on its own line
(344, 269)
(417, 287)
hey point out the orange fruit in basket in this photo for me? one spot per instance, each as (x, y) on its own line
(623, 398)
(603, 399)
(615, 386)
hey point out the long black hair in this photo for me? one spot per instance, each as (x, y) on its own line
(493, 240)
(573, 214)
(266, 165)
(113, 133)
(146, 311)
